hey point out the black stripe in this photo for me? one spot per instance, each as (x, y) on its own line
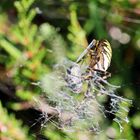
(107, 54)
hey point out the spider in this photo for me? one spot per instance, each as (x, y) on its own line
(100, 54)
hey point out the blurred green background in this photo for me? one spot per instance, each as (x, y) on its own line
(36, 34)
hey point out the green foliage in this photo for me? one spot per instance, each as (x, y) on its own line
(95, 22)
(11, 128)
(30, 46)
(23, 45)
(135, 120)
(76, 34)
(27, 53)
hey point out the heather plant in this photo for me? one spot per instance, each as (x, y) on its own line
(40, 42)
(7, 131)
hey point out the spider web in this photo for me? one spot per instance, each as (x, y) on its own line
(75, 104)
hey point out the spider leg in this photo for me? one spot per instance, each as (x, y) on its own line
(91, 45)
(88, 91)
(105, 74)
